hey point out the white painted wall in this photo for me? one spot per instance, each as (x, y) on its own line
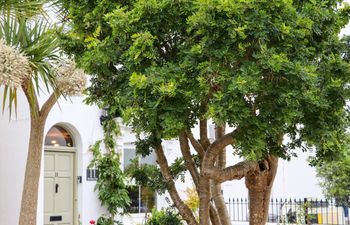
(13, 152)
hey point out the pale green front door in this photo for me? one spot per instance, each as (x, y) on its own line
(59, 189)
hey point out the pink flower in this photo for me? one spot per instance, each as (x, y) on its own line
(92, 221)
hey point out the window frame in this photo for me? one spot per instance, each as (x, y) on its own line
(132, 183)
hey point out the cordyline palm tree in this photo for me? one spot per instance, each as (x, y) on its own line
(29, 57)
(23, 8)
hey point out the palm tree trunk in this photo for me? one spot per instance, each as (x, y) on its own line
(29, 202)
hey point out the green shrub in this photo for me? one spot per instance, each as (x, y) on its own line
(107, 221)
(164, 217)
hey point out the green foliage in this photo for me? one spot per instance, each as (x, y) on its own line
(335, 178)
(112, 191)
(144, 146)
(111, 131)
(270, 68)
(167, 216)
(22, 8)
(146, 175)
(150, 175)
(107, 221)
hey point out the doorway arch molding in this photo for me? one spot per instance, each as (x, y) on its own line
(75, 150)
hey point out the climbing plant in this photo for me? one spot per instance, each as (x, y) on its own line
(110, 186)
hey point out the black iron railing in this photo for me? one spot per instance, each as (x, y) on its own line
(294, 211)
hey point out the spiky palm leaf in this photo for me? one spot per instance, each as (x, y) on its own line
(36, 40)
(23, 8)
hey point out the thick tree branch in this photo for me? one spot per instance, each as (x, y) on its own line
(217, 198)
(216, 193)
(50, 102)
(32, 98)
(204, 199)
(235, 172)
(184, 210)
(215, 148)
(214, 215)
(203, 133)
(196, 145)
(185, 150)
(273, 165)
(221, 160)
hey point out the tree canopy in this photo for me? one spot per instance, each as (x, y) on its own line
(335, 179)
(268, 69)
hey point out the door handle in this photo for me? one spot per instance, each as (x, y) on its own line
(56, 188)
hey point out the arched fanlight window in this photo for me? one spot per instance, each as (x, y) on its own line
(58, 137)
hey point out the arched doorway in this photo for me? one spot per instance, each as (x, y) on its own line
(59, 173)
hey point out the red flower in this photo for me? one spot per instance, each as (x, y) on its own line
(92, 221)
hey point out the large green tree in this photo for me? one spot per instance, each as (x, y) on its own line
(334, 175)
(269, 69)
(335, 179)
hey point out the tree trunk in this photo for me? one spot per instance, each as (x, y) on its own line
(204, 198)
(29, 203)
(216, 186)
(259, 184)
(32, 174)
(220, 204)
(208, 162)
(214, 215)
(190, 165)
(184, 210)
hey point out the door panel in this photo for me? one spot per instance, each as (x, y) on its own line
(63, 197)
(58, 203)
(64, 163)
(49, 195)
(49, 162)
